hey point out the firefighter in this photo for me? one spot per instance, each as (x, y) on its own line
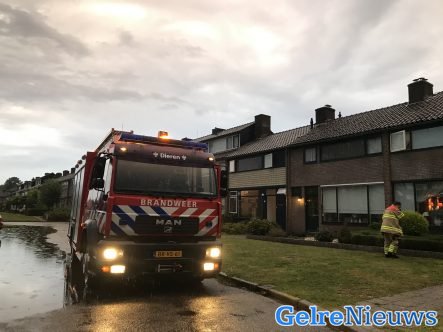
(391, 230)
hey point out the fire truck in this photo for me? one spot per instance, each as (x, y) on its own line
(145, 207)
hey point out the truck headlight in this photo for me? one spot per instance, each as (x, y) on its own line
(112, 253)
(214, 252)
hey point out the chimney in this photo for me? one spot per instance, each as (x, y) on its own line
(262, 124)
(72, 170)
(216, 130)
(65, 172)
(419, 90)
(57, 175)
(324, 114)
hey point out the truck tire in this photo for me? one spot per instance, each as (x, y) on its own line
(89, 281)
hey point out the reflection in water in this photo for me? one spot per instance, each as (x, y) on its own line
(31, 272)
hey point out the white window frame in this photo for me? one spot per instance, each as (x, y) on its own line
(269, 158)
(233, 194)
(403, 132)
(231, 166)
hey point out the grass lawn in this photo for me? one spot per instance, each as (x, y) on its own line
(17, 217)
(325, 276)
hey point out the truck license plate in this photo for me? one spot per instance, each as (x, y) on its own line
(166, 254)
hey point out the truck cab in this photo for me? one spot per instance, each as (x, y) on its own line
(146, 207)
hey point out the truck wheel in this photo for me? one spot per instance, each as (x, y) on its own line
(89, 281)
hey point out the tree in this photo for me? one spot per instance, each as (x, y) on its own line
(50, 193)
(31, 199)
(11, 183)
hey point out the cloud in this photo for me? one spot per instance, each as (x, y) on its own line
(83, 67)
(16, 23)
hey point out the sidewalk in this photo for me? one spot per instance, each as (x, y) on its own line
(430, 298)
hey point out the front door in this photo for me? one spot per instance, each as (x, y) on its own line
(312, 208)
(281, 210)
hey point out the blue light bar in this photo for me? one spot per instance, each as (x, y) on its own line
(149, 139)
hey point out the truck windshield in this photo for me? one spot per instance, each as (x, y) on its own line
(160, 179)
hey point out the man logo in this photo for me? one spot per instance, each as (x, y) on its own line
(167, 229)
(168, 222)
(155, 154)
(184, 157)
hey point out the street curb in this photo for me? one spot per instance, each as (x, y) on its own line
(357, 247)
(297, 303)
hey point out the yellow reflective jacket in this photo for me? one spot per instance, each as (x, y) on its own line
(391, 223)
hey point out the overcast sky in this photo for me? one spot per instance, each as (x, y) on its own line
(72, 70)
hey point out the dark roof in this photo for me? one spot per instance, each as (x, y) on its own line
(392, 117)
(224, 132)
(272, 142)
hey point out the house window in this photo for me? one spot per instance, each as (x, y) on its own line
(279, 158)
(232, 142)
(376, 202)
(235, 141)
(427, 138)
(233, 202)
(329, 204)
(250, 204)
(217, 145)
(398, 141)
(429, 200)
(268, 160)
(249, 164)
(353, 204)
(373, 145)
(343, 150)
(311, 155)
(231, 166)
(404, 193)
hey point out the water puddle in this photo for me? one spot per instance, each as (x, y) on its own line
(31, 272)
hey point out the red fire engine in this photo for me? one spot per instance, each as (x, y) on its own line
(146, 206)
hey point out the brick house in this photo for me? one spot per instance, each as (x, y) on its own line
(223, 141)
(258, 177)
(345, 170)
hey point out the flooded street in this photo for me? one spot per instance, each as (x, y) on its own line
(31, 272)
(32, 295)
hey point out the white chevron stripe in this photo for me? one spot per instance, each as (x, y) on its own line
(125, 228)
(205, 214)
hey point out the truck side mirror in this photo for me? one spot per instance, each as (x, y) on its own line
(98, 183)
(223, 183)
(98, 172)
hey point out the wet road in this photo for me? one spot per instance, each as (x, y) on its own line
(31, 272)
(170, 306)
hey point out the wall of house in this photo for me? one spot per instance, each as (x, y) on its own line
(296, 219)
(259, 178)
(417, 165)
(365, 169)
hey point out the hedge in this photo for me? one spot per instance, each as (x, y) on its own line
(405, 243)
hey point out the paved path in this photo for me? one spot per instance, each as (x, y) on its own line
(430, 298)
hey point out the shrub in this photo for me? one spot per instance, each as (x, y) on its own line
(324, 236)
(59, 214)
(375, 225)
(234, 228)
(344, 235)
(258, 227)
(35, 212)
(419, 244)
(276, 230)
(414, 223)
(367, 240)
(228, 218)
